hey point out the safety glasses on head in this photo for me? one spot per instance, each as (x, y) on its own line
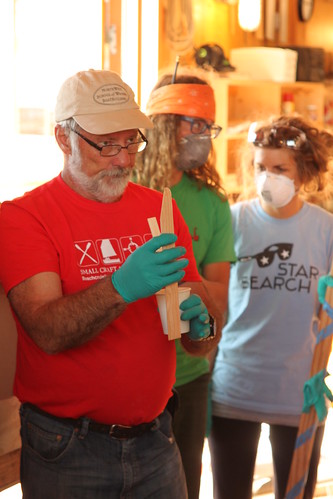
(276, 137)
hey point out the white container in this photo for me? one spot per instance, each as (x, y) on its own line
(183, 293)
(265, 63)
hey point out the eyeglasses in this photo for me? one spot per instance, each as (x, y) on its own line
(199, 126)
(284, 136)
(266, 257)
(106, 149)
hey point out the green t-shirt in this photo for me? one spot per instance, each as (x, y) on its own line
(209, 221)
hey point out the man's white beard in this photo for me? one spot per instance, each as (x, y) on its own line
(105, 186)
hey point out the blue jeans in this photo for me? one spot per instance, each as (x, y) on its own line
(59, 461)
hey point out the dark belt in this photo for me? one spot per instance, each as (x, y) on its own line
(120, 431)
(114, 430)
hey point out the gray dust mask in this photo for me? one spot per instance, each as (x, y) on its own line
(193, 151)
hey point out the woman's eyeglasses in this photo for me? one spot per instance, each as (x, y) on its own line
(284, 136)
(199, 126)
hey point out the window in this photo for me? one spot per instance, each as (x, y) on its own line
(45, 42)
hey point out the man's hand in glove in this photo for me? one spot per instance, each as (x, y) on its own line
(196, 312)
(146, 271)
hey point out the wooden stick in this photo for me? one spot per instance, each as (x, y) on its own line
(154, 228)
(153, 225)
(309, 421)
(171, 291)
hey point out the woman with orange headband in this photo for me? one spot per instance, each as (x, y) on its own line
(180, 156)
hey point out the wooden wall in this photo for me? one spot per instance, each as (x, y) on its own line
(9, 405)
(216, 22)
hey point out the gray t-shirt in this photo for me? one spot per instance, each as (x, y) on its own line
(266, 349)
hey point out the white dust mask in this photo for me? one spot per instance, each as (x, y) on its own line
(275, 190)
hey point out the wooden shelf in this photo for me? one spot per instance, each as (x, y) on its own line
(240, 102)
(9, 469)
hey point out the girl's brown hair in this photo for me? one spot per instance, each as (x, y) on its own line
(313, 160)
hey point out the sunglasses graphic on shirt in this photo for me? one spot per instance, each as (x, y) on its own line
(266, 257)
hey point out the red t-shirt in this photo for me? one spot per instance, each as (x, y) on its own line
(126, 373)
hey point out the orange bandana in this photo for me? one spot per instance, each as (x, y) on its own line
(187, 99)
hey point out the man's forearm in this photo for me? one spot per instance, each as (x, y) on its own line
(68, 321)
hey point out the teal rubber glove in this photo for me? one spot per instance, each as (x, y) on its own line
(145, 272)
(315, 390)
(323, 282)
(196, 312)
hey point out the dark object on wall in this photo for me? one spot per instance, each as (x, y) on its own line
(211, 56)
(310, 63)
(305, 10)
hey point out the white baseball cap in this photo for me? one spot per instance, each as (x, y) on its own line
(100, 102)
